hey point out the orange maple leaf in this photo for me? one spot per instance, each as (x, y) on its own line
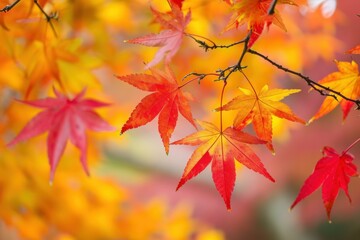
(221, 148)
(347, 82)
(256, 14)
(258, 108)
(166, 99)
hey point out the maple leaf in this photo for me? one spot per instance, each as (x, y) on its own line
(258, 108)
(221, 148)
(256, 14)
(355, 50)
(169, 39)
(64, 119)
(166, 100)
(333, 172)
(347, 82)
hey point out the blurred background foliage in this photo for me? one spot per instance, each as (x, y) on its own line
(131, 192)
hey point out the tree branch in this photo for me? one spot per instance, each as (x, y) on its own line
(323, 90)
(224, 74)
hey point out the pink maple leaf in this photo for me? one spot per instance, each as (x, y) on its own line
(65, 119)
(169, 39)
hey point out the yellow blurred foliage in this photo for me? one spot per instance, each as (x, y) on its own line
(78, 207)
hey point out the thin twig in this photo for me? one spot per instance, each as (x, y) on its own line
(224, 74)
(199, 76)
(10, 6)
(48, 17)
(213, 45)
(323, 90)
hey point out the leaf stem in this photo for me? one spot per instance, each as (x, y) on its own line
(200, 76)
(191, 80)
(351, 145)
(251, 85)
(221, 106)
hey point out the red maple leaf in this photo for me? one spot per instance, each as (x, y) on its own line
(169, 39)
(65, 119)
(177, 2)
(333, 172)
(221, 148)
(166, 99)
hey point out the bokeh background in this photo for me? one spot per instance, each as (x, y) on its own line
(131, 192)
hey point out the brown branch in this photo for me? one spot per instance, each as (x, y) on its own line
(323, 90)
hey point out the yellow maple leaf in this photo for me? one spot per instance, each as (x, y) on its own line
(259, 107)
(347, 82)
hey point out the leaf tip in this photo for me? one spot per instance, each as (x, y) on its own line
(181, 182)
(271, 178)
(293, 205)
(123, 129)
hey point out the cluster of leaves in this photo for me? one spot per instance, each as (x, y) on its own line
(68, 118)
(222, 146)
